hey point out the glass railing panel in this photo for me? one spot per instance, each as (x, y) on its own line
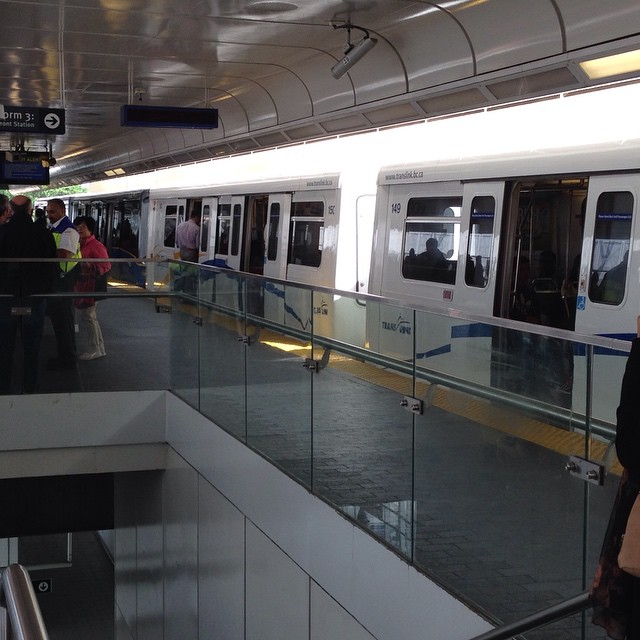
(341, 317)
(606, 365)
(223, 347)
(135, 338)
(362, 433)
(279, 322)
(184, 335)
(499, 520)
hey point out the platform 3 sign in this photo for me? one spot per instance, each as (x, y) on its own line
(31, 120)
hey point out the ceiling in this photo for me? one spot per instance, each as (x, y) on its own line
(266, 67)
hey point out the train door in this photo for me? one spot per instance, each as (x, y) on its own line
(208, 228)
(481, 218)
(235, 226)
(607, 296)
(99, 213)
(540, 237)
(169, 213)
(276, 235)
(255, 223)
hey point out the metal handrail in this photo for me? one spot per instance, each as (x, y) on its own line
(19, 598)
(566, 418)
(539, 619)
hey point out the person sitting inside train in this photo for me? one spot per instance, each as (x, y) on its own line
(432, 263)
(611, 289)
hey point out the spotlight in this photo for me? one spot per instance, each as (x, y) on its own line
(352, 53)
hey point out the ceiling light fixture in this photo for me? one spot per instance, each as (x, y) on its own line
(615, 65)
(352, 52)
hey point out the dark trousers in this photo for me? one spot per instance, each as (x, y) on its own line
(30, 326)
(62, 314)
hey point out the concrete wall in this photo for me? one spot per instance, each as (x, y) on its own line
(223, 546)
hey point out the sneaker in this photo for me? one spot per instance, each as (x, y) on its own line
(90, 355)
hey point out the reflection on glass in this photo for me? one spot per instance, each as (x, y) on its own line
(184, 335)
(393, 522)
(223, 300)
(278, 387)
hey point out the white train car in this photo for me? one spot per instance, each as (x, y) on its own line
(310, 229)
(298, 230)
(547, 239)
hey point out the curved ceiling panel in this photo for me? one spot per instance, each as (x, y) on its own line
(435, 51)
(506, 33)
(266, 67)
(592, 21)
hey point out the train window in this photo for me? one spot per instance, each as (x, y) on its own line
(434, 207)
(476, 272)
(170, 222)
(611, 242)
(306, 233)
(429, 241)
(222, 231)
(235, 237)
(272, 232)
(130, 230)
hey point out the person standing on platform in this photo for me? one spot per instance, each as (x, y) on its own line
(5, 209)
(61, 310)
(615, 595)
(188, 237)
(21, 238)
(90, 273)
(40, 217)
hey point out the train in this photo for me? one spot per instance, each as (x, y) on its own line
(546, 238)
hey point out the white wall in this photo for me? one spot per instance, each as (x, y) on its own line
(235, 550)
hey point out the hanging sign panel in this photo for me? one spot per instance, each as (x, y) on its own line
(31, 120)
(24, 167)
(133, 115)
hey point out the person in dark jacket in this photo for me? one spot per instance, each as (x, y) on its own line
(22, 238)
(615, 594)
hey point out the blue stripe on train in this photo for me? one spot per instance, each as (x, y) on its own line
(473, 330)
(434, 352)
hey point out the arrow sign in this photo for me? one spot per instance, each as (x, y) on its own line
(42, 586)
(31, 120)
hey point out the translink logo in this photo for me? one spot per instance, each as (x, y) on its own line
(399, 326)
